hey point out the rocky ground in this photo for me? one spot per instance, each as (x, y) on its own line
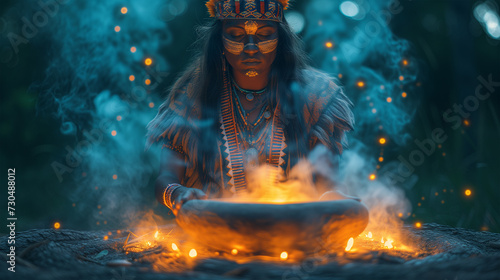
(451, 253)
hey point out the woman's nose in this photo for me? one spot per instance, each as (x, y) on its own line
(250, 47)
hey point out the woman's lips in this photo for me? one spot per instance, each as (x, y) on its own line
(251, 62)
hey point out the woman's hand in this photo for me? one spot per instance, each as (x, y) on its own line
(183, 195)
(337, 195)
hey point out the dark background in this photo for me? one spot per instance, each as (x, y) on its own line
(452, 50)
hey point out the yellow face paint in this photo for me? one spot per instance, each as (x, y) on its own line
(251, 27)
(232, 46)
(251, 73)
(237, 47)
(268, 45)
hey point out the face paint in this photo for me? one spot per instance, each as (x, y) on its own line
(233, 47)
(268, 45)
(251, 27)
(251, 73)
(237, 47)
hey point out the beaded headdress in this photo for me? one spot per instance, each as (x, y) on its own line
(247, 9)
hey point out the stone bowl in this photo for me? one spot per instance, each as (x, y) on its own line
(273, 228)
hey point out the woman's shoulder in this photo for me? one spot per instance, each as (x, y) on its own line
(321, 91)
(182, 99)
(177, 115)
(327, 111)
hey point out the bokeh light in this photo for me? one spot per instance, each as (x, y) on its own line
(349, 8)
(295, 20)
(193, 253)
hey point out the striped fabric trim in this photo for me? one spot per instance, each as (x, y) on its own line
(235, 155)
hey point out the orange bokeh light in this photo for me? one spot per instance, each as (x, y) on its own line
(382, 141)
(124, 10)
(131, 78)
(193, 253)
(174, 247)
(57, 225)
(117, 28)
(148, 61)
(113, 132)
(372, 177)
(468, 192)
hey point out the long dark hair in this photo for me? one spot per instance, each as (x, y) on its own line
(205, 73)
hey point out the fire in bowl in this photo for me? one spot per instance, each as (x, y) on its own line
(271, 228)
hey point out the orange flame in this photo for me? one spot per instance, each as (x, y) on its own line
(349, 244)
(174, 247)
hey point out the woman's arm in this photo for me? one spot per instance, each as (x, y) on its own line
(172, 169)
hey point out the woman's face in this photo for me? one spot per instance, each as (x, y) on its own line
(250, 45)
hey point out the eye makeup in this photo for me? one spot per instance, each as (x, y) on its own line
(237, 47)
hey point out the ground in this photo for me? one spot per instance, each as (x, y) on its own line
(450, 253)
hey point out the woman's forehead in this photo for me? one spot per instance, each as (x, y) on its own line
(242, 22)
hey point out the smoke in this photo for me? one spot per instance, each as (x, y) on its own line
(353, 40)
(374, 65)
(98, 84)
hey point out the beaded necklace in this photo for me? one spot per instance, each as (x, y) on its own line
(249, 94)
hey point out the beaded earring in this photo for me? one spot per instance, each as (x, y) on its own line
(224, 61)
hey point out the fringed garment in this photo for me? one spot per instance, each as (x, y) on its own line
(326, 112)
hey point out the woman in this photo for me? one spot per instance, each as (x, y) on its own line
(249, 98)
